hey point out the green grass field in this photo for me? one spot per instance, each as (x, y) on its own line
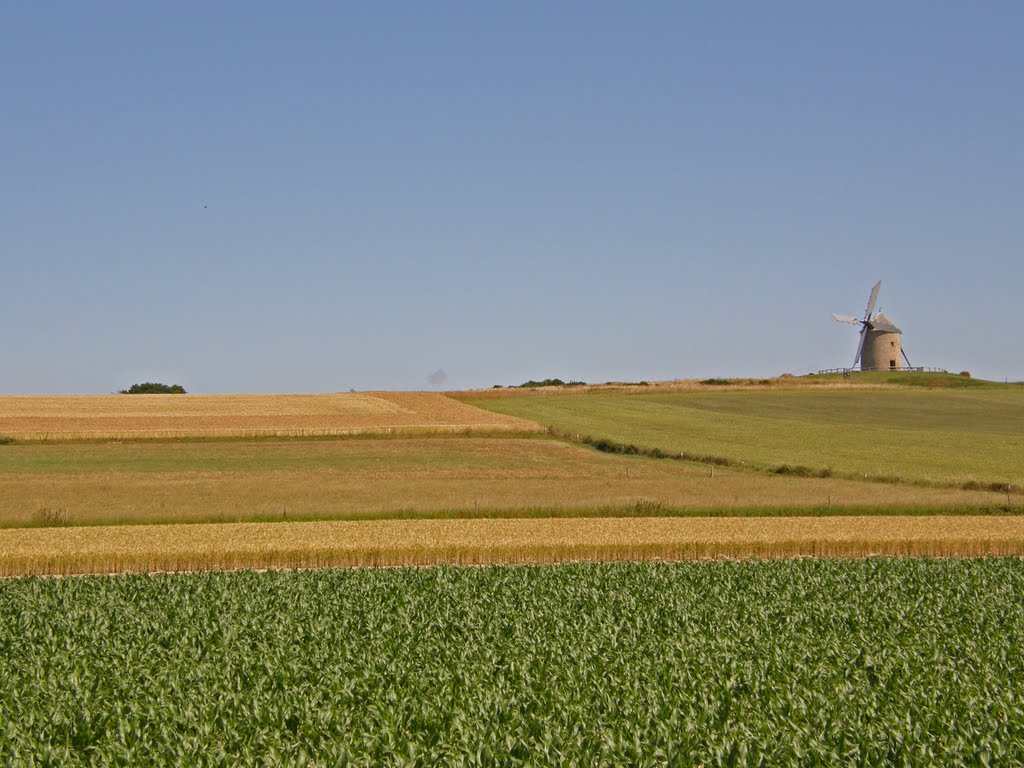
(788, 663)
(915, 433)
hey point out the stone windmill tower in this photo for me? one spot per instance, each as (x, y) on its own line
(880, 347)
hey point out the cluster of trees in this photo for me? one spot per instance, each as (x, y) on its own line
(153, 388)
(531, 384)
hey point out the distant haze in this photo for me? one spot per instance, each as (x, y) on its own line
(324, 197)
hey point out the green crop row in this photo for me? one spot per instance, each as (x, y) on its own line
(820, 662)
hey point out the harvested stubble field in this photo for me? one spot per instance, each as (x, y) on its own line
(913, 433)
(195, 481)
(129, 417)
(214, 546)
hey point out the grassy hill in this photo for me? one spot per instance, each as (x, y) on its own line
(944, 429)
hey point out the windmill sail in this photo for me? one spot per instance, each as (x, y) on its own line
(872, 300)
(849, 319)
(860, 347)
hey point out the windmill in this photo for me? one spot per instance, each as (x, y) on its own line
(880, 345)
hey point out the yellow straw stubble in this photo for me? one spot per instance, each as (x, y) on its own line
(124, 417)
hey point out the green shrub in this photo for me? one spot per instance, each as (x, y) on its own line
(531, 384)
(153, 388)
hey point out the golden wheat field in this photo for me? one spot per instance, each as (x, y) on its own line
(123, 417)
(422, 542)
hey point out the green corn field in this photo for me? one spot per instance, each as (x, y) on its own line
(759, 663)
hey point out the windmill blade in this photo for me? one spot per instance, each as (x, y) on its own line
(872, 300)
(860, 347)
(845, 319)
(884, 327)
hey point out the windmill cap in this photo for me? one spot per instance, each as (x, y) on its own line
(881, 319)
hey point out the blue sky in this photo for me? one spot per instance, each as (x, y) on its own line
(304, 197)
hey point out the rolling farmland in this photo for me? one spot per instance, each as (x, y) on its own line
(811, 649)
(786, 663)
(443, 460)
(420, 456)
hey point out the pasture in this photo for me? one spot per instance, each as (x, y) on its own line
(784, 663)
(951, 436)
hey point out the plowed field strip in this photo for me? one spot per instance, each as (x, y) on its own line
(420, 542)
(174, 416)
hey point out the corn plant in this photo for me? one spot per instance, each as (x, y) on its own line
(750, 663)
